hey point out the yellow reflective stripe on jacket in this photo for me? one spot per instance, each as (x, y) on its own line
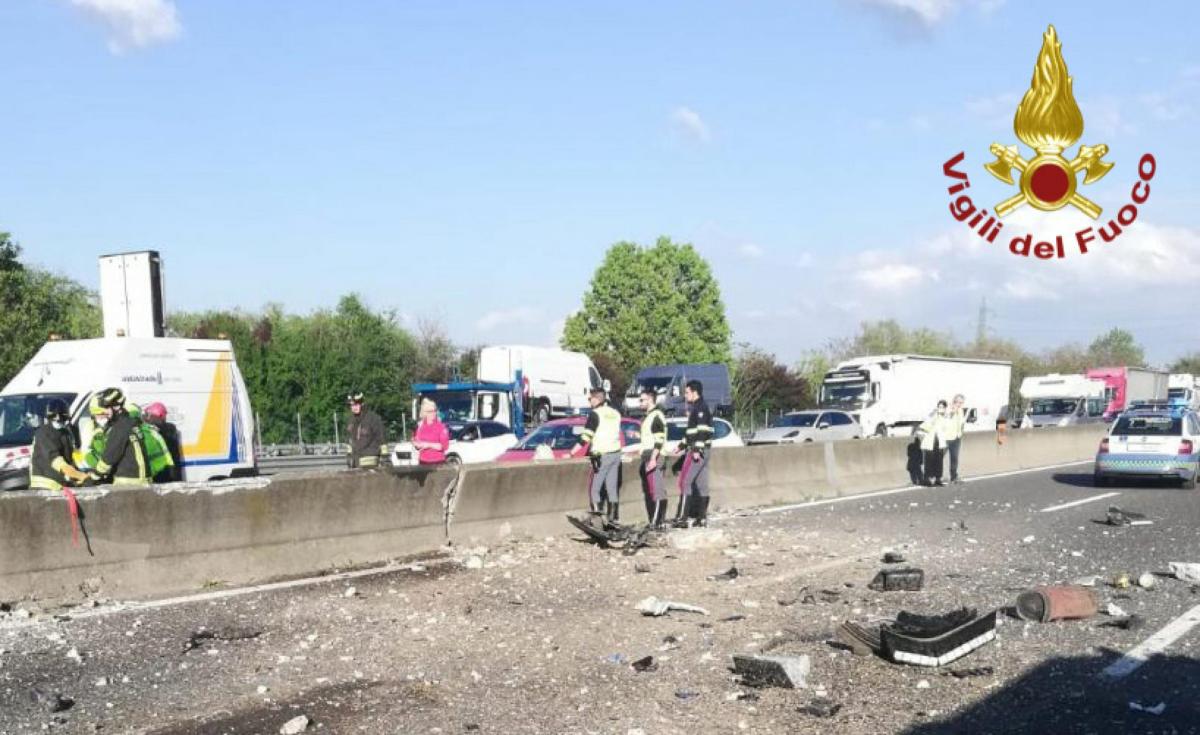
(130, 481)
(59, 464)
(607, 438)
(650, 438)
(44, 483)
(103, 468)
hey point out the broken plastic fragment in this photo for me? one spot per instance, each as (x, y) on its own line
(656, 607)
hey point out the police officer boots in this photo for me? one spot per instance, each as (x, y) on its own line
(702, 511)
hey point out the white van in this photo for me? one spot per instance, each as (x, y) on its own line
(1062, 400)
(196, 379)
(555, 382)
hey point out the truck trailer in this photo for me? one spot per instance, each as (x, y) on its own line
(1124, 385)
(892, 394)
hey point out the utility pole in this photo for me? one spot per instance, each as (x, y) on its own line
(981, 326)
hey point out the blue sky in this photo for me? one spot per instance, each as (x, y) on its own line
(470, 162)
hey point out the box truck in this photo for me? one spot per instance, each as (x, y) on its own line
(1062, 400)
(1183, 389)
(196, 379)
(1124, 385)
(668, 381)
(892, 394)
(555, 383)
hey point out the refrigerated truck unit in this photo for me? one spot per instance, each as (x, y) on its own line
(1124, 385)
(131, 295)
(892, 394)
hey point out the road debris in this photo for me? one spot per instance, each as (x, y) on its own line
(50, 701)
(936, 640)
(1117, 517)
(1121, 580)
(1115, 610)
(893, 557)
(820, 708)
(1127, 622)
(350, 592)
(970, 673)
(1185, 571)
(686, 694)
(645, 664)
(898, 580)
(1147, 581)
(202, 636)
(861, 641)
(1157, 709)
(1059, 602)
(1089, 581)
(656, 607)
(1028, 540)
(788, 672)
(295, 726)
(729, 574)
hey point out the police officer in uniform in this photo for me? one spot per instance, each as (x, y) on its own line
(602, 437)
(697, 442)
(654, 436)
(53, 446)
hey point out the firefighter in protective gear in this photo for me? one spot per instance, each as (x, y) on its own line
(53, 445)
(124, 456)
(654, 436)
(156, 415)
(159, 462)
(602, 437)
(697, 442)
(365, 432)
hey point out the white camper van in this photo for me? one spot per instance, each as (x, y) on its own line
(196, 379)
(556, 382)
(1062, 400)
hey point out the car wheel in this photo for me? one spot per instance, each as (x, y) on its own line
(881, 430)
(1099, 480)
(542, 415)
(808, 441)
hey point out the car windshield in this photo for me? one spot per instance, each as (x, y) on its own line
(802, 420)
(452, 405)
(21, 415)
(852, 395)
(1148, 426)
(560, 436)
(1177, 393)
(658, 385)
(1051, 406)
(456, 430)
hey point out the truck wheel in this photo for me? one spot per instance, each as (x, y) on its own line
(542, 414)
(881, 430)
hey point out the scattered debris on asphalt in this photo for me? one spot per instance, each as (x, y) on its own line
(641, 567)
(936, 640)
(1118, 517)
(645, 664)
(1114, 610)
(1185, 571)
(1127, 622)
(1121, 580)
(656, 607)
(1057, 602)
(728, 574)
(686, 694)
(893, 557)
(788, 672)
(202, 636)
(898, 580)
(1157, 709)
(1028, 540)
(1147, 581)
(295, 726)
(861, 641)
(970, 673)
(1089, 581)
(732, 618)
(50, 701)
(820, 708)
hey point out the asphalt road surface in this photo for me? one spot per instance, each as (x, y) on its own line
(537, 635)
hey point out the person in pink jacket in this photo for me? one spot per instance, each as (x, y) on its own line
(432, 438)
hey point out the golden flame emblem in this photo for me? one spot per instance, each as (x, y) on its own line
(1049, 121)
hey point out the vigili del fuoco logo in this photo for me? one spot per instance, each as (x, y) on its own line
(1049, 121)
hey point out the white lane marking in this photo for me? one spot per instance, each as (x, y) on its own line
(123, 607)
(1156, 643)
(1081, 501)
(910, 488)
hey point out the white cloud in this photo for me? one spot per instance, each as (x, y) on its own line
(689, 123)
(518, 316)
(134, 24)
(750, 250)
(883, 276)
(927, 13)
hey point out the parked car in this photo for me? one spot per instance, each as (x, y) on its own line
(471, 442)
(808, 426)
(1150, 443)
(723, 433)
(555, 440)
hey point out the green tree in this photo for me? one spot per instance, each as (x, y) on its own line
(888, 337)
(618, 377)
(1116, 347)
(761, 384)
(651, 306)
(10, 253)
(1187, 364)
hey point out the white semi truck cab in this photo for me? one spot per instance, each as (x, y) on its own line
(892, 394)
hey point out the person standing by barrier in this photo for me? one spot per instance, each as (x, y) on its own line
(124, 456)
(958, 426)
(654, 436)
(935, 432)
(365, 432)
(697, 442)
(156, 415)
(432, 438)
(53, 446)
(602, 437)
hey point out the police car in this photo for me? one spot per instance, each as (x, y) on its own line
(1151, 440)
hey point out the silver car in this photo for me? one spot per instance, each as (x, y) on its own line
(1151, 443)
(799, 427)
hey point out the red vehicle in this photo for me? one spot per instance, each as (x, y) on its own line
(556, 439)
(1125, 385)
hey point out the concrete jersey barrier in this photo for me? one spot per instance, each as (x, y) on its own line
(177, 538)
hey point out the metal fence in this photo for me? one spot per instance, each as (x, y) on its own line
(275, 459)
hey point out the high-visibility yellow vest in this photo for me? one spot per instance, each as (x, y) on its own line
(651, 438)
(608, 434)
